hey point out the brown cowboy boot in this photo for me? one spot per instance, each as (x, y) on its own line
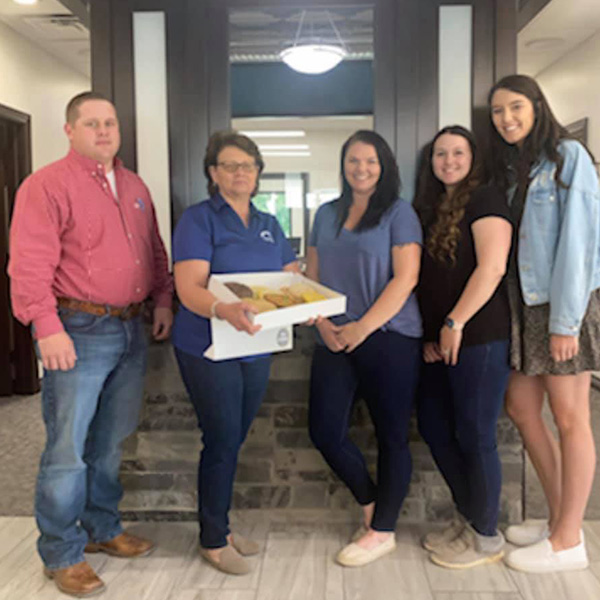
(124, 545)
(78, 580)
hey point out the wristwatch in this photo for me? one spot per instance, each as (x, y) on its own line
(452, 324)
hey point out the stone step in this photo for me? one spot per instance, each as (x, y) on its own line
(279, 469)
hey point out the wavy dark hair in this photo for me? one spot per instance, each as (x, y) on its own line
(223, 139)
(439, 212)
(388, 186)
(543, 139)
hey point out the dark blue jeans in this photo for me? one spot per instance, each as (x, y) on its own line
(226, 396)
(88, 412)
(385, 367)
(458, 409)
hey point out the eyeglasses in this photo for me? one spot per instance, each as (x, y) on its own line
(232, 167)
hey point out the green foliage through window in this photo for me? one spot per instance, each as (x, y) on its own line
(274, 204)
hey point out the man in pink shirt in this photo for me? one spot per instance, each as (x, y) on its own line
(85, 253)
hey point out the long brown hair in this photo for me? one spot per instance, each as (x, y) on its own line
(440, 213)
(543, 139)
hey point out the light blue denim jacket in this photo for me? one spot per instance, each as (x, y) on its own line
(559, 238)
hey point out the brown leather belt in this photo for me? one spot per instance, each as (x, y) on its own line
(123, 312)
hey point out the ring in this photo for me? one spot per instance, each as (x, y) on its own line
(446, 352)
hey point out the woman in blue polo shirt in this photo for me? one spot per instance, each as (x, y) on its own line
(224, 234)
(367, 245)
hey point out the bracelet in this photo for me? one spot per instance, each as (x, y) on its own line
(213, 309)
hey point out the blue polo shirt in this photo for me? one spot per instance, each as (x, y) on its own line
(359, 264)
(211, 230)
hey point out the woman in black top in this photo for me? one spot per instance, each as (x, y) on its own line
(467, 233)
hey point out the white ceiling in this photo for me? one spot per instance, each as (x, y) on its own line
(556, 30)
(49, 25)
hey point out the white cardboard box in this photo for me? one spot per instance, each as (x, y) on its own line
(276, 333)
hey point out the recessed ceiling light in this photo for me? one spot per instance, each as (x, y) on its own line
(544, 43)
(275, 133)
(26, 1)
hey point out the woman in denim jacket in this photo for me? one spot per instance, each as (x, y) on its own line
(554, 280)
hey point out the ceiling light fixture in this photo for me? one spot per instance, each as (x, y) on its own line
(276, 133)
(26, 1)
(314, 58)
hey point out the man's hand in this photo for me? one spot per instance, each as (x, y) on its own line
(58, 352)
(162, 322)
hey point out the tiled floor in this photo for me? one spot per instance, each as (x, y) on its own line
(296, 564)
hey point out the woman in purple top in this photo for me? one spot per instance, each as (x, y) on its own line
(367, 245)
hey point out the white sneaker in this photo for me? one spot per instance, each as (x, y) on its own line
(540, 558)
(527, 533)
(353, 555)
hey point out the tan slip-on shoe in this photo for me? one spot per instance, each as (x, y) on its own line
(354, 555)
(229, 560)
(124, 545)
(243, 545)
(78, 580)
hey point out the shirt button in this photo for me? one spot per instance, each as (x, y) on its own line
(129, 235)
(551, 198)
(533, 297)
(137, 262)
(138, 290)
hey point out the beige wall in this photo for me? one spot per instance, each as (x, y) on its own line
(572, 85)
(35, 83)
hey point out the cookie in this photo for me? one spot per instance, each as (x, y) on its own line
(239, 289)
(280, 300)
(260, 303)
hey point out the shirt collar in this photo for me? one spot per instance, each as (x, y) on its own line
(218, 202)
(89, 164)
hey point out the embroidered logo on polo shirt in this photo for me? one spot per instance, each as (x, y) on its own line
(267, 236)
(139, 204)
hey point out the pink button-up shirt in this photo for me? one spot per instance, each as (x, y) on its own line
(71, 237)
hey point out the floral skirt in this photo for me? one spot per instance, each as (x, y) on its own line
(530, 338)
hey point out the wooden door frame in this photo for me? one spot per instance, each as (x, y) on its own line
(25, 380)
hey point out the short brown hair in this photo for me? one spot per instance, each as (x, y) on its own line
(223, 139)
(72, 112)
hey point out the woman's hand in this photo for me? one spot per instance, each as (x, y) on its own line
(328, 335)
(563, 347)
(450, 340)
(431, 352)
(236, 314)
(351, 335)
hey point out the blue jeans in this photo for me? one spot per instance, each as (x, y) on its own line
(385, 367)
(226, 396)
(458, 409)
(88, 412)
